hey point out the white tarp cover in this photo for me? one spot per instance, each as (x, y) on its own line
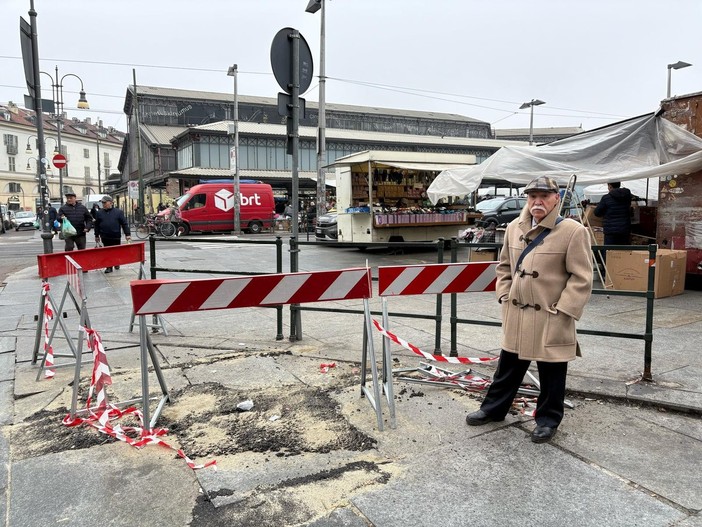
(643, 147)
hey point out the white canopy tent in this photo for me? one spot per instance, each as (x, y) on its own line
(639, 148)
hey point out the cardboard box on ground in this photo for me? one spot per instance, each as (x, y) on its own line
(483, 255)
(628, 271)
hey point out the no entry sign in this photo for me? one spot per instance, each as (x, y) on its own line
(59, 161)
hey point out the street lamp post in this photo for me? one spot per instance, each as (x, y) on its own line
(677, 66)
(312, 7)
(35, 92)
(57, 97)
(28, 150)
(531, 104)
(234, 156)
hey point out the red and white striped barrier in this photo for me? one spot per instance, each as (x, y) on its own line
(53, 264)
(155, 297)
(102, 416)
(436, 278)
(429, 356)
(151, 297)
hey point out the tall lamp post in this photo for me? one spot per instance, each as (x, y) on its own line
(677, 66)
(531, 104)
(312, 7)
(57, 97)
(234, 154)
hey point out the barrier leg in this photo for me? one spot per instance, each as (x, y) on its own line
(40, 323)
(143, 335)
(147, 350)
(387, 368)
(58, 322)
(76, 373)
(374, 397)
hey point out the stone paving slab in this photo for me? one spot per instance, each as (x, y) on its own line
(238, 476)
(242, 373)
(75, 487)
(501, 479)
(628, 443)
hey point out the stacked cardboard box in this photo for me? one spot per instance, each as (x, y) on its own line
(628, 271)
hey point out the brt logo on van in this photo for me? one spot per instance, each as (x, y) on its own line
(224, 200)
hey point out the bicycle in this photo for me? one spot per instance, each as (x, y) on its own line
(155, 225)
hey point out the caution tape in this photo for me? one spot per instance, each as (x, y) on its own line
(438, 358)
(49, 372)
(103, 414)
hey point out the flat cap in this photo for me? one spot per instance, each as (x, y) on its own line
(106, 198)
(542, 184)
(69, 193)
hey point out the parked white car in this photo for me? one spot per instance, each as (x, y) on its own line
(24, 219)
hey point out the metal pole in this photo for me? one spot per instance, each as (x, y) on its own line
(97, 142)
(58, 104)
(46, 234)
(140, 208)
(531, 125)
(237, 188)
(322, 123)
(296, 322)
(668, 92)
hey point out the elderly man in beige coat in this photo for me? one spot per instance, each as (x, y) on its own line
(544, 280)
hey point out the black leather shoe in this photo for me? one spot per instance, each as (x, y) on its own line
(481, 418)
(108, 270)
(116, 267)
(542, 434)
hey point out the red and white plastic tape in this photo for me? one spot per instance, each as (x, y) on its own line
(101, 416)
(49, 372)
(467, 381)
(438, 358)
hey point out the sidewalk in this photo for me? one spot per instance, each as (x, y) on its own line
(309, 453)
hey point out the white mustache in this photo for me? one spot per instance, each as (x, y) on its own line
(537, 207)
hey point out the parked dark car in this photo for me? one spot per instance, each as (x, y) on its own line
(501, 212)
(326, 227)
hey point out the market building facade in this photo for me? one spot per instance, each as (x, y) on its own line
(183, 137)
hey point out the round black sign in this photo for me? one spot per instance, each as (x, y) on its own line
(282, 59)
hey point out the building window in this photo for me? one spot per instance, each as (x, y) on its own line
(87, 172)
(86, 153)
(11, 164)
(10, 141)
(15, 188)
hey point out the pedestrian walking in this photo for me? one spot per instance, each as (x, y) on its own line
(110, 223)
(544, 280)
(615, 209)
(79, 216)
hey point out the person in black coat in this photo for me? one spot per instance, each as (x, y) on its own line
(80, 218)
(53, 218)
(615, 208)
(110, 222)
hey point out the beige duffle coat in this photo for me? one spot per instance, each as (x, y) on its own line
(541, 304)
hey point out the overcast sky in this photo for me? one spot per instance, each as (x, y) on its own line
(593, 62)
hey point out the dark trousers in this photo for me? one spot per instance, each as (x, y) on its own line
(617, 239)
(109, 242)
(508, 377)
(77, 242)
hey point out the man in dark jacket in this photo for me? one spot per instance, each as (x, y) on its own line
(109, 225)
(615, 208)
(79, 217)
